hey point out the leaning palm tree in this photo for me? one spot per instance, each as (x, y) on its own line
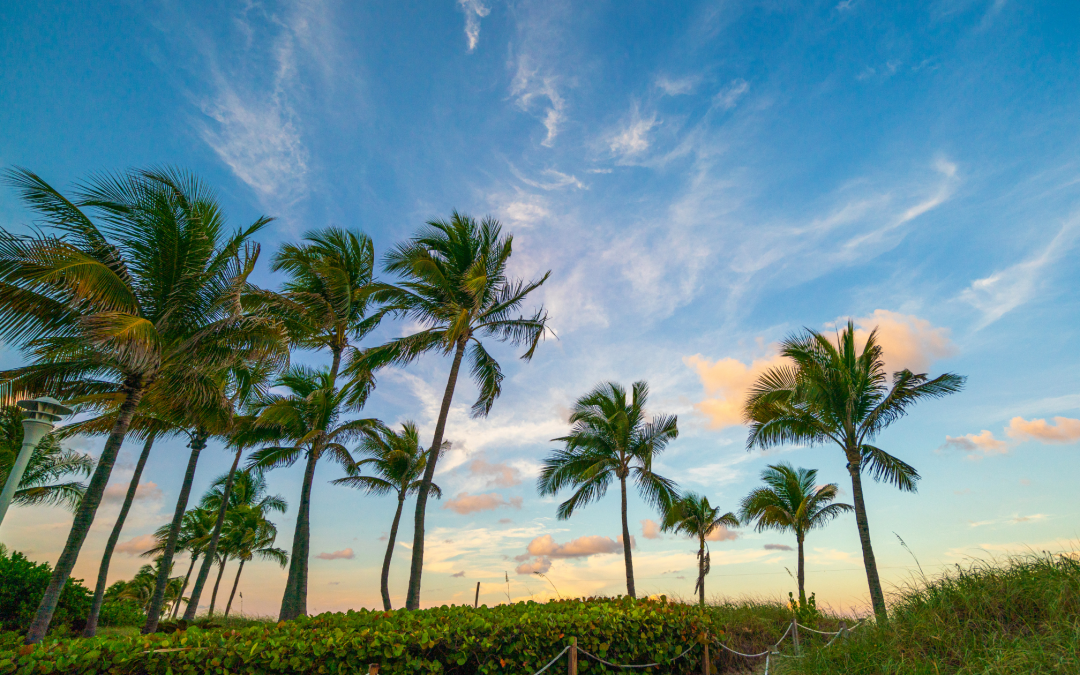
(830, 392)
(397, 461)
(309, 418)
(454, 284)
(693, 516)
(611, 438)
(792, 501)
(251, 535)
(138, 297)
(49, 463)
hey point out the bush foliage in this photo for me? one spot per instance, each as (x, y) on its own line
(22, 585)
(519, 638)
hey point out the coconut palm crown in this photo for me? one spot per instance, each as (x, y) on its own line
(830, 392)
(611, 438)
(693, 516)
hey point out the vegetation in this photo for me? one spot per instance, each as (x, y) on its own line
(1012, 617)
(693, 516)
(792, 501)
(398, 461)
(24, 583)
(831, 392)
(610, 439)
(49, 463)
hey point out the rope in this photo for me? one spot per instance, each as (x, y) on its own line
(552, 661)
(757, 656)
(823, 632)
(643, 665)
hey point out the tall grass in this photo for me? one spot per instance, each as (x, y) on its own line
(1018, 615)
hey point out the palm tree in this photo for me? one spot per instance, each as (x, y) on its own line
(693, 516)
(242, 384)
(195, 535)
(323, 305)
(138, 298)
(454, 284)
(251, 535)
(831, 392)
(48, 463)
(309, 417)
(792, 501)
(398, 461)
(611, 438)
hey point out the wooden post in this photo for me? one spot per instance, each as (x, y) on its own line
(573, 656)
(476, 602)
(373, 669)
(705, 667)
(795, 633)
(843, 630)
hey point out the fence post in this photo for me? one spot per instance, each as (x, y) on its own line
(843, 630)
(476, 602)
(573, 656)
(373, 669)
(795, 633)
(705, 667)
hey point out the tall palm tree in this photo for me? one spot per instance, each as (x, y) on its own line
(251, 535)
(792, 501)
(397, 461)
(308, 417)
(324, 304)
(242, 383)
(139, 297)
(610, 439)
(48, 463)
(455, 285)
(693, 516)
(831, 392)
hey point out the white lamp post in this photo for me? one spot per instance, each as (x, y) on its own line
(39, 416)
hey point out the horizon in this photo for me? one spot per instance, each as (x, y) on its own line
(702, 181)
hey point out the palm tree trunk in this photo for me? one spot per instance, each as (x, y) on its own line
(153, 615)
(187, 578)
(215, 537)
(416, 569)
(114, 536)
(877, 598)
(801, 572)
(213, 596)
(236, 583)
(84, 517)
(294, 601)
(385, 580)
(626, 543)
(701, 573)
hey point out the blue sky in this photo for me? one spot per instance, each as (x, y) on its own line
(701, 178)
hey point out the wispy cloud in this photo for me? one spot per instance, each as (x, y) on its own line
(530, 89)
(677, 86)
(137, 545)
(344, 554)
(465, 503)
(729, 96)
(632, 138)
(978, 446)
(115, 493)
(474, 11)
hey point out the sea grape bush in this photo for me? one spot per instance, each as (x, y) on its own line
(517, 638)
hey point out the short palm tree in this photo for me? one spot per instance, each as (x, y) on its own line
(251, 535)
(611, 439)
(454, 284)
(831, 392)
(137, 299)
(397, 461)
(48, 463)
(308, 417)
(792, 501)
(692, 515)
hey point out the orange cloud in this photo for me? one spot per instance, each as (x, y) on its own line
(1063, 430)
(499, 475)
(536, 566)
(978, 445)
(137, 545)
(346, 554)
(906, 340)
(721, 534)
(649, 529)
(576, 548)
(115, 493)
(465, 503)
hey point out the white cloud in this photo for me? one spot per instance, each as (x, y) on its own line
(498, 475)
(906, 340)
(474, 11)
(1015, 520)
(977, 446)
(1005, 290)
(632, 139)
(728, 97)
(528, 87)
(677, 86)
(556, 180)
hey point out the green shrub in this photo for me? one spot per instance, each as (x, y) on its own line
(22, 585)
(517, 638)
(1019, 617)
(121, 613)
